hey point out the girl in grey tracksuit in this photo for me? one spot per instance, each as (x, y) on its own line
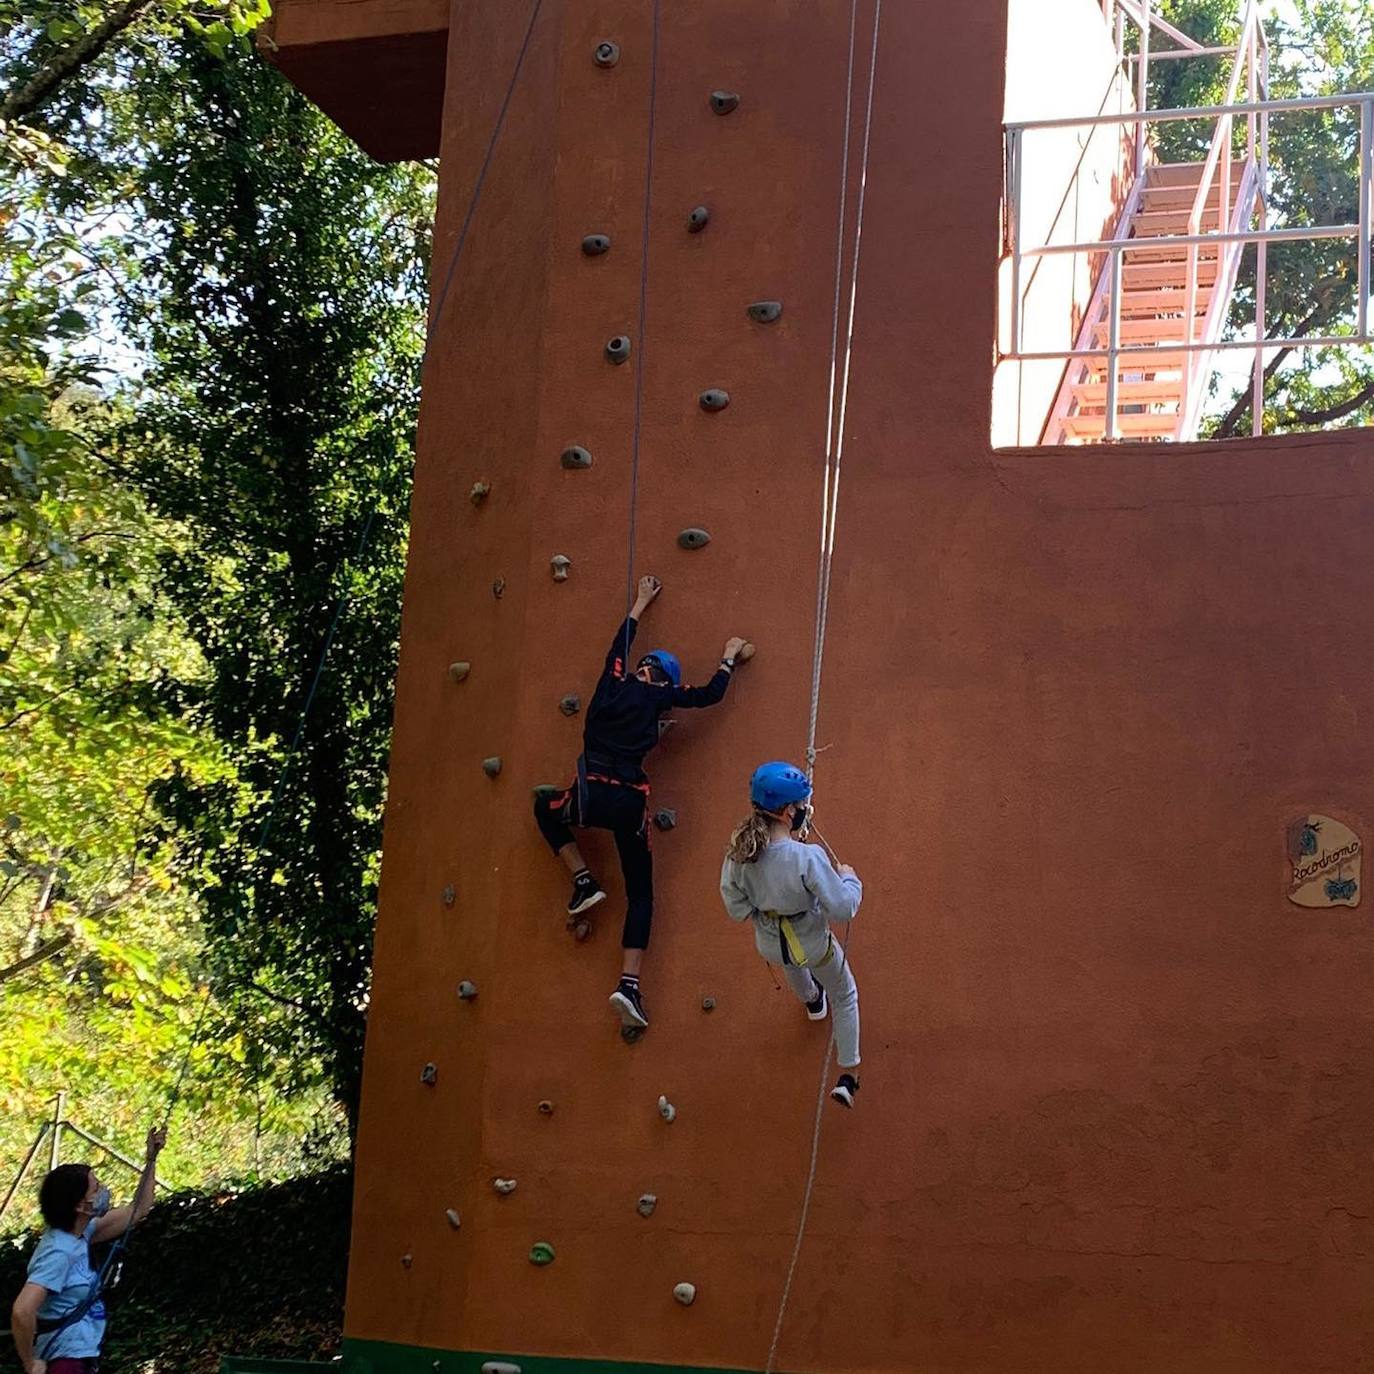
(791, 892)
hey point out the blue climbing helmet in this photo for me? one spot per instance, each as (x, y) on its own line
(775, 785)
(666, 664)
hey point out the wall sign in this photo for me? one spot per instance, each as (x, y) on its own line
(1324, 863)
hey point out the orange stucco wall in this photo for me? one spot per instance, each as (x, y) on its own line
(1118, 1093)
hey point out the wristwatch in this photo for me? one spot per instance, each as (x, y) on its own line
(728, 663)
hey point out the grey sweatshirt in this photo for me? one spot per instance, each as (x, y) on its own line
(793, 881)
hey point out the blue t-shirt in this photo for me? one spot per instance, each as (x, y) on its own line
(61, 1263)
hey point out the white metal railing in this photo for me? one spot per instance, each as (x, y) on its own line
(1233, 234)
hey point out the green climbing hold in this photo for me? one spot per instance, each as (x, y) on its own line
(541, 1252)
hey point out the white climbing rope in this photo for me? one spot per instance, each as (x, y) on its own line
(830, 499)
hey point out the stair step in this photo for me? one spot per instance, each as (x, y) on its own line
(1171, 252)
(1181, 197)
(1152, 276)
(1152, 329)
(1173, 174)
(1143, 426)
(1162, 391)
(1163, 301)
(1153, 224)
(1138, 365)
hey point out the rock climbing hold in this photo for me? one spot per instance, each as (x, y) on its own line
(504, 1186)
(666, 1109)
(492, 766)
(466, 991)
(722, 102)
(665, 818)
(714, 399)
(646, 1204)
(546, 1108)
(546, 789)
(479, 493)
(685, 1293)
(429, 1074)
(560, 563)
(746, 653)
(764, 312)
(454, 1219)
(693, 538)
(631, 1034)
(618, 348)
(593, 245)
(541, 1252)
(580, 930)
(576, 457)
(498, 588)
(407, 1260)
(500, 1367)
(708, 1004)
(459, 671)
(570, 705)
(698, 219)
(449, 895)
(607, 54)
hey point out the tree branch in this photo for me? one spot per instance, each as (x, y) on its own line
(40, 955)
(44, 83)
(1338, 411)
(1230, 422)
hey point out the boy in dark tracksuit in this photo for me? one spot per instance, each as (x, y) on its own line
(612, 790)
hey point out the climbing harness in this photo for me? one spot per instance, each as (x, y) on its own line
(113, 1259)
(836, 411)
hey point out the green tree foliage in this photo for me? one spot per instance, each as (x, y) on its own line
(278, 302)
(199, 414)
(1326, 47)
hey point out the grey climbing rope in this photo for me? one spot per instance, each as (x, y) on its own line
(834, 457)
(643, 319)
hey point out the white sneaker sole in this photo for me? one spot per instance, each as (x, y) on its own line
(819, 1015)
(625, 1009)
(843, 1096)
(586, 904)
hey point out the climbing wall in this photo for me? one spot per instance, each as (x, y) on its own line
(1118, 1093)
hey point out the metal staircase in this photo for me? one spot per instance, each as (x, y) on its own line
(1162, 293)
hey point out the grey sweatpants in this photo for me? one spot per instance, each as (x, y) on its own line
(837, 978)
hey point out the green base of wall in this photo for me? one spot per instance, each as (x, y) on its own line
(382, 1357)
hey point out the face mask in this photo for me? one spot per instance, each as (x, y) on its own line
(100, 1204)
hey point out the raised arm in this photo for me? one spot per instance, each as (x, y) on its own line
(839, 893)
(619, 652)
(715, 689)
(118, 1220)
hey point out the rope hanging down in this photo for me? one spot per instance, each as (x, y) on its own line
(122, 1240)
(640, 342)
(830, 499)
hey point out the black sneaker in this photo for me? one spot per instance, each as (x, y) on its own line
(845, 1090)
(586, 893)
(817, 1008)
(629, 1006)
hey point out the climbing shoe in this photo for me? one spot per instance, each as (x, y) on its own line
(845, 1090)
(817, 1008)
(629, 1005)
(586, 893)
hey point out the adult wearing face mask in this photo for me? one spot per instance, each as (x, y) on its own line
(58, 1319)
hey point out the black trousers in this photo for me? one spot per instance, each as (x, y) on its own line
(624, 811)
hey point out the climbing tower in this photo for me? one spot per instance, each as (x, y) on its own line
(1090, 724)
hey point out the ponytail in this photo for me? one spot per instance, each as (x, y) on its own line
(749, 840)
